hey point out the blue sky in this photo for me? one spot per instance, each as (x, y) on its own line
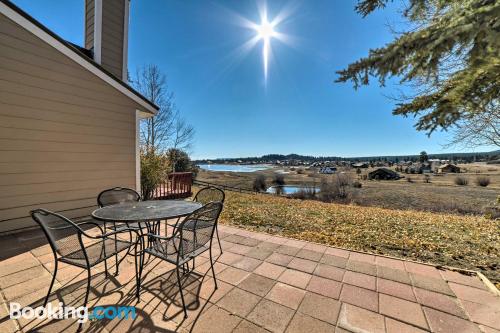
(223, 93)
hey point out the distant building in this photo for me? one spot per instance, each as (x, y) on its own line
(383, 174)
(449, 168)
(360, 165)
(327, 170)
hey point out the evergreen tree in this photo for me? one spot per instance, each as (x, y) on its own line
(423, 156)
(450, 55)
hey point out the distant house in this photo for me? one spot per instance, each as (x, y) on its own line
(449, 168)
(383, 174)
(422, 168)
(360, 165)
(327, 170)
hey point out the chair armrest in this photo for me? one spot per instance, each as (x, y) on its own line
(114, 232)
(158, 236)
(95, 224)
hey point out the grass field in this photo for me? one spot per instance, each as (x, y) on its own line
(469, 242)
(440, 195)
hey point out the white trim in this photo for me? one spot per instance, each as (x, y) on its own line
(137, 151)
(70, 53)
(125, 41)
(144, 115)
(139, 115)
(97, 30)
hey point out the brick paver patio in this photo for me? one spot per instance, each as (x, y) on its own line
(266, 283)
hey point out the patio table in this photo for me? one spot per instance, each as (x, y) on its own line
(150, 212)
(146, 211)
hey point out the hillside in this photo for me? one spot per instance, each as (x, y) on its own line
(444, 239)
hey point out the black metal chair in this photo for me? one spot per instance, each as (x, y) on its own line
(191, 238)
(211, 194)
(66, 238)
(117, 195)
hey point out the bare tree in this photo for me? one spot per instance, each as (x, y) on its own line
(183, 135)
(166, 129)
(478, 128)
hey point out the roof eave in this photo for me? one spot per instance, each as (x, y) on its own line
(23, 19)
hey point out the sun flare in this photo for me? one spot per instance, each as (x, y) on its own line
(265, 31)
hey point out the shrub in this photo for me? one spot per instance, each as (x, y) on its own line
(493, 212)
(483, 181)
(461, 181)
(335, 189)
(357, 184)
(259, 183)
(409, 179)
(305, 192)
(279, 190)
(427, 179)
(153, 173)
(178, 161)
(279, 179)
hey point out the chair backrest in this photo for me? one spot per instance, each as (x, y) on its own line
(210, 194)
(63, 235)
(197, 229)
(117, 195)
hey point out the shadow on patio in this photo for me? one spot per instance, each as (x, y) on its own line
(266, 283)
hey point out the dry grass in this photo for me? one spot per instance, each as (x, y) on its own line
(461, 241)
(437, 194)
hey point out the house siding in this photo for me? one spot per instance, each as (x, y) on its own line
(65, 135)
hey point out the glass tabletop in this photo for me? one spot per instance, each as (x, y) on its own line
(144, 211)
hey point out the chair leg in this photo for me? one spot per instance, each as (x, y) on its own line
(138, 268)
(180, 290)
(105, 265)
(105, 259)
(117, 263)
(51, 284)
(89, 276)
(212, 266)
(218, 239)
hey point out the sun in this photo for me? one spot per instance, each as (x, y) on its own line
(265, 30)
(265, 33)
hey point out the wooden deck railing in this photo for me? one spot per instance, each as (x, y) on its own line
(177, 186)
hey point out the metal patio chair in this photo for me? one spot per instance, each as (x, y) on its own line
(117, 195)
(211, 194)
(191, 238)
(66, 239)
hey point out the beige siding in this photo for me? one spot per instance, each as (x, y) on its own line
(89, 23)
(65, 134)
(113, 12)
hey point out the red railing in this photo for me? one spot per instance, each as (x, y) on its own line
(178, 186)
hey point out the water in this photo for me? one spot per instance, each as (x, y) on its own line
(234, 167)
(289, 189)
